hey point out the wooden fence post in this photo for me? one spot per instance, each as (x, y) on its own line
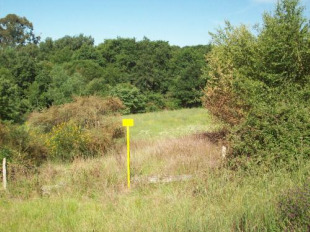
(224, 149)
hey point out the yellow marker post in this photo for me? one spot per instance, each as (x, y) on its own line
(128, 123)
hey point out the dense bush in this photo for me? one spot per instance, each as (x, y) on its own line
(277, 130)
(155, 102)
(131, 96)
(259, 85)
(9, 99)
(86, 127)
(89, 112)
(66, 141)
(21, 145)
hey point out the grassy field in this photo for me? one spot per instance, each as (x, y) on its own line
(171, 123)
(91, 195)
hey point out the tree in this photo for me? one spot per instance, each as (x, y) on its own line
(188, 82)
(63, 87)
(284, 42)
(131, 97)
(229, 65)
(260, 85)
(87, 68)
(73, 42)
(15, 31)
(9, 100)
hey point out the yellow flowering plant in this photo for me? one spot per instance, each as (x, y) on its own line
(67, 140)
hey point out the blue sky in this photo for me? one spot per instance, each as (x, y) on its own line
(181, 22)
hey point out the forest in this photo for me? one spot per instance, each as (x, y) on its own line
(146, 75)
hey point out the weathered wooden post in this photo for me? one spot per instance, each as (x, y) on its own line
(4, 173)
(224, 150)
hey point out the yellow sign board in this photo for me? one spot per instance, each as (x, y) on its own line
(127, 122)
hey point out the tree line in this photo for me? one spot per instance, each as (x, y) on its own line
(146, 75)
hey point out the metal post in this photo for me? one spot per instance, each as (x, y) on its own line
(128, 158)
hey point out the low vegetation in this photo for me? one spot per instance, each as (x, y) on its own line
(87, 127)
(91, 194)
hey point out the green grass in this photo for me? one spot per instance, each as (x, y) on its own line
(171, 123)
(213, 201)
(94, 196)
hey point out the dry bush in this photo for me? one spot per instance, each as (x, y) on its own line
(224, 104)
(20, 145)
(95, 119)
(88, 112)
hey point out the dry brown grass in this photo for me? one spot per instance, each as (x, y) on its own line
(184, 155)
(191, 155)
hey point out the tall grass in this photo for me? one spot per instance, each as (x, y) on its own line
(91, 195)
(215, 200)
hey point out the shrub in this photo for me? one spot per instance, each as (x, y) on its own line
(276, 131)
(131, 96)
(259, 85)
(88, 112)
(67, 140)
(22, 145)
(294, 207)
(5, 153)
(224, 95)
(172, 103)
(83, 128)
(155, 102)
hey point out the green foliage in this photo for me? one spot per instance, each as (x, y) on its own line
(73, 42)
(187, 65)
(155, 102)
(9, 96)
(5, 153)
(97, 86)
(25, 67)
(260, 86)
(131, 96)
(54, 71)
(63, 87)
(284, 45)
(229, 65)
(87, 68)
(15, 31)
